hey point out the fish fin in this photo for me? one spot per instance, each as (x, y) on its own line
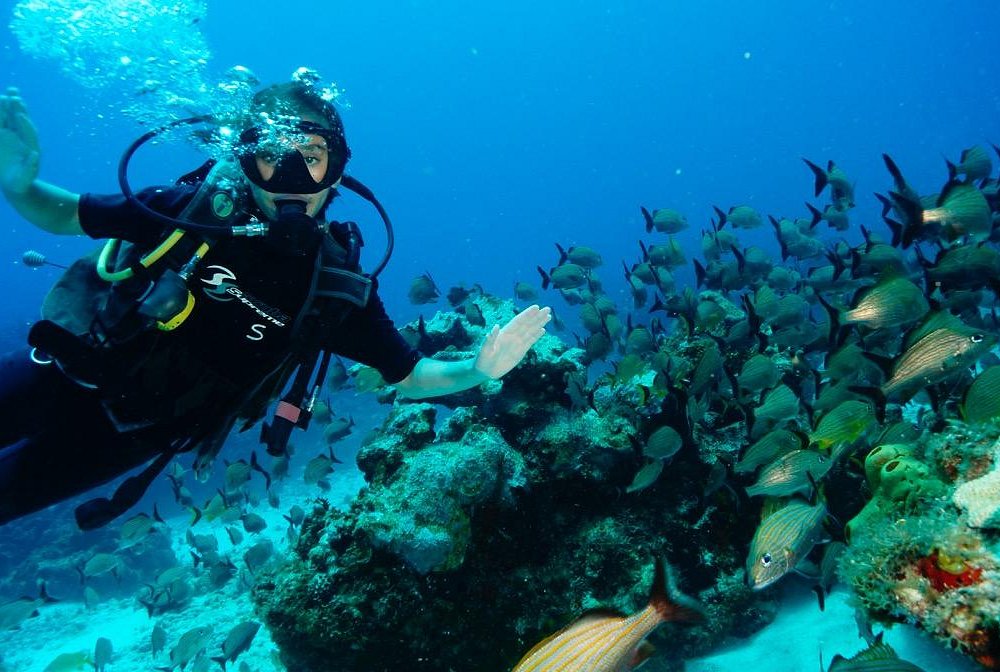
(642, 653)
(156, 515)
(255, 465)
(563, 257)
(669, 604)
(221, 660)
(868, 238)
(820, 598)
(722, 217)
(546, 280)
(914, 217)
(897, 175)
(658, 305)
(43, 594)
(821, 177)
(886, 204)
(838, 264)
(816, 216)
(741, 260)
(699, 273)
(433, 284)
(777, 234)
(649, 219)
(949, 187)
(836, 334)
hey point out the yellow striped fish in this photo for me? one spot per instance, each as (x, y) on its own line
(605, 641)
(783, 538)
(936, 357)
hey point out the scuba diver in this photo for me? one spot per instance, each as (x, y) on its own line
(210, 299)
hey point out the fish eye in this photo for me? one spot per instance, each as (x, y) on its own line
(976, 338)
(765, 559)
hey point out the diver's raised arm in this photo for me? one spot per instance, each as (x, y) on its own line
(502, 350)
(45, 205)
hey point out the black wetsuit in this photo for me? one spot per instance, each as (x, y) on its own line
(56, 439)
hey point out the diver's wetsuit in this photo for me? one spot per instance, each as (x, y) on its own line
(56, 438)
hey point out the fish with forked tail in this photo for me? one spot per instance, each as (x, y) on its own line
(607, 641)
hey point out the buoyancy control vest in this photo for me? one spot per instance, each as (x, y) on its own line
(93, 313)
(107, 317)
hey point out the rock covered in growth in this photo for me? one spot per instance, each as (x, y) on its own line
(423, 513)
(484, 531)
(925, 548)
(979, 498)
(409, 427)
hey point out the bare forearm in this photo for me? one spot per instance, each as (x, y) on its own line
(48, 207)
(432, 378)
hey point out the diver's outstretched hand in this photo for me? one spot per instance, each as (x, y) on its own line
(504, 348)
(19, 152)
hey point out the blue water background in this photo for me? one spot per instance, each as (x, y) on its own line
(491, 132)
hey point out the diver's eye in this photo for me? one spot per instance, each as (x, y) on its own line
(268, 156)
(765, 559)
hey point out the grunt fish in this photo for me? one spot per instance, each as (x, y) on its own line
(974, 163)
(841, 187)
(783, 538)
(769, 447)
(878, 657)
(423, 290)
(664, 220)
(844, 424)
(935, 357)
(606, 641)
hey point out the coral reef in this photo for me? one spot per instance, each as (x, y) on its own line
(926, 549)
(489, 523)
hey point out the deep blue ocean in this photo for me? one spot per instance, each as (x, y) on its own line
(491, 131)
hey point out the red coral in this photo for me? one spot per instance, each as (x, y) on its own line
(942, 580)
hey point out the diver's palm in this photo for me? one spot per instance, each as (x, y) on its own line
(504, 348)
(19, 152)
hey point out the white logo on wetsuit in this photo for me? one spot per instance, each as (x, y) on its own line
(223, 288)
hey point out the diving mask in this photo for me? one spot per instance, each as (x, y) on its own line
(291, 159)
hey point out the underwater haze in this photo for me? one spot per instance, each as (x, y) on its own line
(491, 132)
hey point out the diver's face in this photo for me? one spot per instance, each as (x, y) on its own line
(314, 151)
